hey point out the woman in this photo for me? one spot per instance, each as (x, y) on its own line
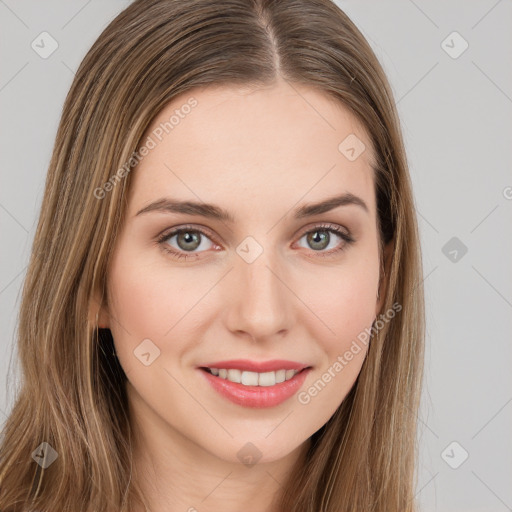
(224, 304)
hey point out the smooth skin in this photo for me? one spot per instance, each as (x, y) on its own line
(259, 154)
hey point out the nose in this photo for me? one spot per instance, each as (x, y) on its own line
(259, 301)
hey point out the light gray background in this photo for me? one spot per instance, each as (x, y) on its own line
(456, 119)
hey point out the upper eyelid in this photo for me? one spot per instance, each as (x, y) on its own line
(168, 233)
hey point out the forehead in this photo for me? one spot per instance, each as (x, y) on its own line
(275, 143)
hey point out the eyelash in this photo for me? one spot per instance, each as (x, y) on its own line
(162, 239)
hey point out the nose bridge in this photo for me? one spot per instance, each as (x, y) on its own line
(260, 301)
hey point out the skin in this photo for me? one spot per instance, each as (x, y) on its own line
(258, 153)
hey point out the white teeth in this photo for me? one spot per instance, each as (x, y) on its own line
(280, 376)
(249, 379)
(254, 378)
(267, 379)
(289, 374)
(234, 375)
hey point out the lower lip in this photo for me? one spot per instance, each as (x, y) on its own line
(257, 396)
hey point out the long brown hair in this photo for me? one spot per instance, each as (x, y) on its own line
(72, 393)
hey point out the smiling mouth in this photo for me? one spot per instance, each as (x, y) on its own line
(253, 379)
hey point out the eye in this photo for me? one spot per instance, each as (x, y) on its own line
(190, 238)
(319, 238)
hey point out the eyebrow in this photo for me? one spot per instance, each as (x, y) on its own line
(168, 205)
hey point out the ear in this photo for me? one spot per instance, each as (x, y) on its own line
(384, 276)
(98, 311)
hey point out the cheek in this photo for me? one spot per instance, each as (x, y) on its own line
(143, 304)
(352, 304)
(343, 298)
(137, 305)
(150, 300)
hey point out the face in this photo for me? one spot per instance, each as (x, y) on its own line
(270, 281)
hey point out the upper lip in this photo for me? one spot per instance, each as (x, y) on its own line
(257, 366)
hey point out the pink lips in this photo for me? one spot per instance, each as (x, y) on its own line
(257, 396)
(255, 366)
